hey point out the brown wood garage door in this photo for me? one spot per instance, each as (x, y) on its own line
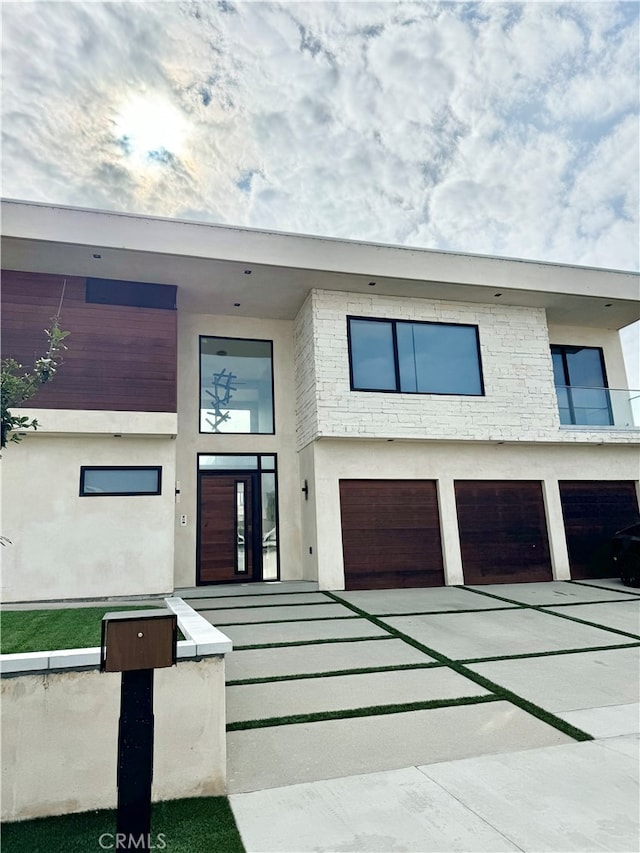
(593, 511)
(503, 531)
(390, 534)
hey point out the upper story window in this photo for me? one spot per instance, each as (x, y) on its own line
(581, 385)
(418, 358)
(236, 385)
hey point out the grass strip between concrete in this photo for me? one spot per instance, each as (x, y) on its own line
(499, 691)
(617, 631)
(306, 642)
(548, 654)
(198, 825)
(585, 603)
(546, 608)
(250, 623)
(350, 713)
(364, 670)
(626, 591)
(264, 604)
(446, 612)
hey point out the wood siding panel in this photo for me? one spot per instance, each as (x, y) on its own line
(593, 511)
(119, 358)
(503, 531)
(390, 534)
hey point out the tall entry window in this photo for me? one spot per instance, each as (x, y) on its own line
(414, 358)
(236, 385)
(581, 385)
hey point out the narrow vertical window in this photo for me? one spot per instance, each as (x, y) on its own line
(241, 543)
(581, 385)
(372, 359)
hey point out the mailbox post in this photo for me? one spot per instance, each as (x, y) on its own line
(135, 643)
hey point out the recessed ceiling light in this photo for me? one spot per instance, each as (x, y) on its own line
(97, 256)
(248, 272)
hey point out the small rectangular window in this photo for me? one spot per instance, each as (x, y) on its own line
(123, 481)
(137, 294)
(414, 358)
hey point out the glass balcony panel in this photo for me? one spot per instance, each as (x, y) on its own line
(598, 407)
(563, 404)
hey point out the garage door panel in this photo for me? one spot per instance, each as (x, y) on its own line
(593, 511)
(390, 579)
(390, 534)
(503, 531)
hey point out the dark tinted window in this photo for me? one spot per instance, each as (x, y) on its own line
(138, 294)
(372, 359)
(438, 359)
(120, 481)
(422, 358)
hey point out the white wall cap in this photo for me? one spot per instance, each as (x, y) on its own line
(186, 649)
(23, 662)
(208, 639)
(71, 658)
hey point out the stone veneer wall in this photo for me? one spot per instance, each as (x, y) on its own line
(519, 402)
(305, 375)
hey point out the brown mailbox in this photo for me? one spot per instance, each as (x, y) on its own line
(138, 639)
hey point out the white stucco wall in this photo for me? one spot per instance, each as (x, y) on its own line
(446, 462)
(607, 339)
(60, 738)
(65, 546)
(190, 441)
(519, 403)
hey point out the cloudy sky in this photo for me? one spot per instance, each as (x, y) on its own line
(498, 128)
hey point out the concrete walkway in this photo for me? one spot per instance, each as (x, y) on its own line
(433, 719)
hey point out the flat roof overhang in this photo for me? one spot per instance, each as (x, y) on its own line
(211, 264)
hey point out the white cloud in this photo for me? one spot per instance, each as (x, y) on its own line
(486, 127)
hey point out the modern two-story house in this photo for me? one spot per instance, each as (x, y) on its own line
(239, 405)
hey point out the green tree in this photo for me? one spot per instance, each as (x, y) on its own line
(17, 385)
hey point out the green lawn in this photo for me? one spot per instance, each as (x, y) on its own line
(48, 630)
(201, 825)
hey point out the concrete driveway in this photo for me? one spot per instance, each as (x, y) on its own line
(462, 718)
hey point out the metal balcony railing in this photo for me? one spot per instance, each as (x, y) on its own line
(598, 407)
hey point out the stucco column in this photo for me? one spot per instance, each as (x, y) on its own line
(555, 529)
(451, 553)
(330, 560)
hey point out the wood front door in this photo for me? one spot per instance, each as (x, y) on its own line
(229, 530)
